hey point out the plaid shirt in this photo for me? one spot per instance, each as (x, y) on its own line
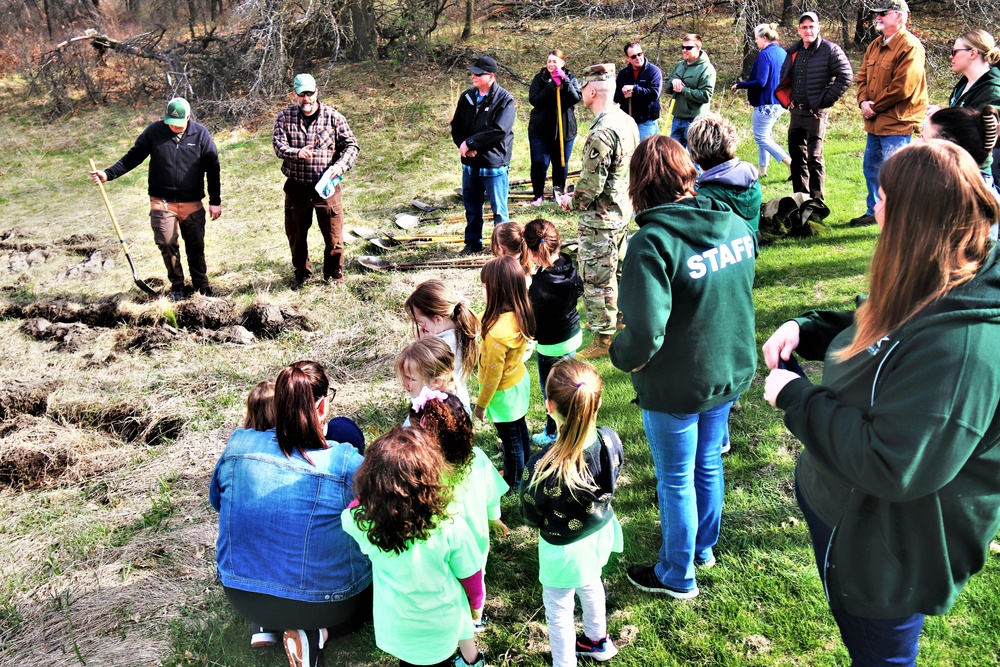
(329, 135)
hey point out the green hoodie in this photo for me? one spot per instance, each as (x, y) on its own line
(901, 455)
(685, 296)
(986, 90)
(699, 86)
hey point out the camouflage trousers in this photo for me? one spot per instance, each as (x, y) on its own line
(600, 256)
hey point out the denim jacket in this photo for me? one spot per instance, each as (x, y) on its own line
(279, 520)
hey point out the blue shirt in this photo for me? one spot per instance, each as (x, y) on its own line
(279, 520)
(765, 75)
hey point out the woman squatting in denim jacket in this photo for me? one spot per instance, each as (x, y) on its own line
(282, 555)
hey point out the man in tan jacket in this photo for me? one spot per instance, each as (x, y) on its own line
(892, 94)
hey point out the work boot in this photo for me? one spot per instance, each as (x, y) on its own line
(599, 348)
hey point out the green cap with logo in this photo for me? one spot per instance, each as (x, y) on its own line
(892, 5)
(599, 72)
(178, 112)
(304, 83)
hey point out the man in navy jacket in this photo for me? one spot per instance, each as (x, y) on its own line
(637, 90)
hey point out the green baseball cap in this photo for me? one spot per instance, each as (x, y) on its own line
(178, 112)
(304, 83)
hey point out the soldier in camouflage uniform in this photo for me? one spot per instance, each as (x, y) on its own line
(601, 197)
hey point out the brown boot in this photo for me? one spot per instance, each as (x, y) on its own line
(599, 348)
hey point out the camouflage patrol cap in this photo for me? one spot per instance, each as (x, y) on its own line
(599, 72)
(892, 5)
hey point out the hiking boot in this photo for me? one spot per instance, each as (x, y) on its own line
(543, 439)
(644, 578)
(601, 650)
(471, 250)
(459, 661)
(303, 647)
(297, 284)
(863, 221)
(176, 295)
(206, 290)
(599, 348)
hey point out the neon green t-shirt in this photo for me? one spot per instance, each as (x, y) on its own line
(420, 608)
(477, 500)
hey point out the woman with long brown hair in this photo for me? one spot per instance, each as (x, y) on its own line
(282, 555)
(686, 297)
(899, 478)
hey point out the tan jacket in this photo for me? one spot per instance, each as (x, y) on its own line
(894, 78)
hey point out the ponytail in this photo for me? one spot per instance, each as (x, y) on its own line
(574, 388)
(508, 239)
(296, 392)
(435, 298)
(542, 239)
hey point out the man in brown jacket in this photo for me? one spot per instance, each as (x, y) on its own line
(892, 94)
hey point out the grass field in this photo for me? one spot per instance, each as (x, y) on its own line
(110, 560)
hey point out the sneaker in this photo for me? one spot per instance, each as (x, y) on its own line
(459, 661)
(303, 647)
(471, 250)
(601, 650)
(480, 625)
(706, 563)
(537, 202)
(726, 448)
(262, 638)
(863, 221)
(644, 578)
(543, 439)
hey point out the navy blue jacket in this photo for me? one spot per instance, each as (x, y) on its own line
(765, 75)
(177, 170)
(487, 127)
(646, 94)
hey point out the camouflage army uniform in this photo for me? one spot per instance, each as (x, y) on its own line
(602, 198)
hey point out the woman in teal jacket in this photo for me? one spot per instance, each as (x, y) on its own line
(686, 299)
(899, 480)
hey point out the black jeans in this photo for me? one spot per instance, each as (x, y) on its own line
(805, 146)
(516, 449)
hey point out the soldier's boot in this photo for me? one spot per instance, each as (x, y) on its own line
(599, 348)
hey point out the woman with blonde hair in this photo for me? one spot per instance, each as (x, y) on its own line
(899, 477)
(765, 75)
(974, 57)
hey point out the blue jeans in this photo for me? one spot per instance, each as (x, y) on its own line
(545, 365)
(687, 460)
(648, 128)
(475, 189)
(516, 449)
(679, 130)
(764, 118)
(877, 150)
(544, 151)
(872, 642)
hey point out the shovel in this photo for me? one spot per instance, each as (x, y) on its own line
(135, 276)
(430, 208)
(381, 264)
(410, 221)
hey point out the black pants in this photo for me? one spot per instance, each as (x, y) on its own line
(268, 611)
(805, 146)
(516, 449)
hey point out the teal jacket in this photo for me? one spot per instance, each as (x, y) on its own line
(686, 300)
(986, 90)
(699, 86)
(901, 454)
(734, 183)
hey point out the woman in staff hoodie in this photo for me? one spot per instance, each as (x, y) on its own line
(899, 480)
(689, 342)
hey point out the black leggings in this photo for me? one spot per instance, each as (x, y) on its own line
(269, 611)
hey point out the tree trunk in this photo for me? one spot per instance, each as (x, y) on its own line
(467, 30)
(364, 44)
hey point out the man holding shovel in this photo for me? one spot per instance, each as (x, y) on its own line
(637, 90)
(181, 154)
(315, 143)
(601, 197)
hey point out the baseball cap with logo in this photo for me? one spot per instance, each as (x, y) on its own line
(892, 5)
(599, 72)
(178, 112)
(809, 15)
(304, 83)
(483, 65)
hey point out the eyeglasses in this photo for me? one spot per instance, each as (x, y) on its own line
(954, 52)
(885, 13)
(685, 47)
(311, 93)
(635, 56)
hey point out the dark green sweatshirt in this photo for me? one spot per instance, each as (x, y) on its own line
(686, 299)
(901, 453)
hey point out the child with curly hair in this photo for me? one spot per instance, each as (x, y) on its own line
(425, 564)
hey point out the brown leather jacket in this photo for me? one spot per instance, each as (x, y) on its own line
(894, 78)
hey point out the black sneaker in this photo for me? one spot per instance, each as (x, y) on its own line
(644, 578)
(863, 221)
(471, 250)
(601, 650)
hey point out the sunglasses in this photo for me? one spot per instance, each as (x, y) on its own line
(635, 56)
(954, 52)
(306, 94)
(889, 11)
(685, 47)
